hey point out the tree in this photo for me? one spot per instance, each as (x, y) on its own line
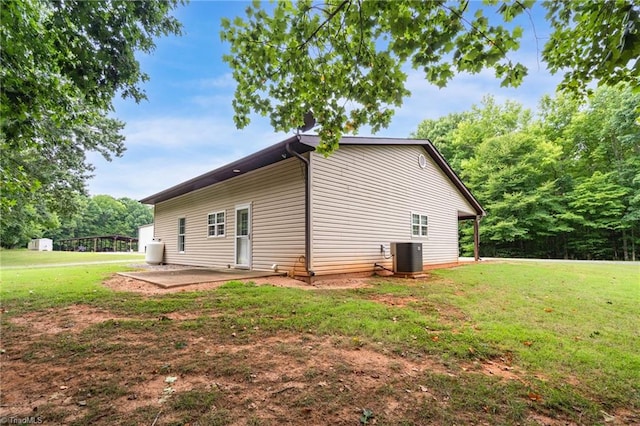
(466, 131)
(62, 64)
(565, 184)
(594, 41)
(29, 221)
(505, 159)
(511, 175)
(137, 215)
(599, 202)
(103, 215)
(344, 60)
(603, 137)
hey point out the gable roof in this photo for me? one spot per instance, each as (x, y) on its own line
(302, 144)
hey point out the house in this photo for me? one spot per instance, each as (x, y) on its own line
(289, 208)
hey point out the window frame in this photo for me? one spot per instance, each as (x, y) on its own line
(216, 224)
(423, 226)
(182, 236)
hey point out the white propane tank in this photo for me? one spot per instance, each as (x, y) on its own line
(155, 252)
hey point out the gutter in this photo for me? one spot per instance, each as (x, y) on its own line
(307, 208)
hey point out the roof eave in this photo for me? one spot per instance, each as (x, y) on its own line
(301, 144)
(262, 158)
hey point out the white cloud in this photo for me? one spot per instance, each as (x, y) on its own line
(174, 132)
(163, 152)
(146, 176)
(224, 81)
(463, 91)
(218, 102)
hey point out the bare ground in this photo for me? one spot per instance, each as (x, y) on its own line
(120, 283)
(83, 364)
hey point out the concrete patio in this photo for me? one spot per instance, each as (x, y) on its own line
(187, 276)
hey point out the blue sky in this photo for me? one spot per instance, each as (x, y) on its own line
(186, 128)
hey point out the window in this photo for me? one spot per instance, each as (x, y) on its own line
(216, 224)
(182, 226)
(419, 225)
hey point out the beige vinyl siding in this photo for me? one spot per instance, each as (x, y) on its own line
(276, 195)
(363, 196)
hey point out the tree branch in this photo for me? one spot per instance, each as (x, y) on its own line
(535, 33)
(473, 28)
(329, 18)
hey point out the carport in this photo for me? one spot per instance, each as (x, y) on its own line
(119, 243)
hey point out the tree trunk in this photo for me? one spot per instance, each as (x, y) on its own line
(476, 239)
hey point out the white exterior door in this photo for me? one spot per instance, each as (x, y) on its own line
(243, 236)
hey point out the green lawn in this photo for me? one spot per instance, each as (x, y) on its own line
(568, 322)
(30, 258)
(36, 279)
(570, 331)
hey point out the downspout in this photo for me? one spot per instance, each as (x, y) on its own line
(307, 209)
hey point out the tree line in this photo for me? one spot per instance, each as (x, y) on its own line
(563, 183)
(94, 216)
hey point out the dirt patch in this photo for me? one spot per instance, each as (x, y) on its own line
(121, 283)
(77, 318)
(115, 375)
(501, 368)
(280, 368)
(391, 300)
(447, 314)
(72, 319)
(341, 283)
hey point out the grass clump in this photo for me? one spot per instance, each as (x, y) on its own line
(194, 401)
